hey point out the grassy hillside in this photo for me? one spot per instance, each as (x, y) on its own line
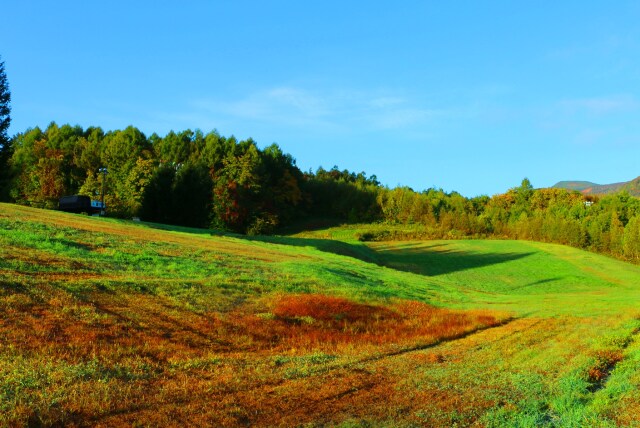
(113, 323)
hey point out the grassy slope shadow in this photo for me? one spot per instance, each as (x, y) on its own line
(418, 259)
(356, 251)
(429, 261)
(415, 258)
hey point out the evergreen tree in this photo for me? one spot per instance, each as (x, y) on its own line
(5, 146)
(192, 196)
(157, 202)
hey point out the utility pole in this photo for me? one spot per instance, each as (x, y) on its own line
(104, 179)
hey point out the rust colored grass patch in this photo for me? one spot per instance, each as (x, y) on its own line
(114, 324)
(330, 309)
(605, 360)
(123, 359)
(319, 322)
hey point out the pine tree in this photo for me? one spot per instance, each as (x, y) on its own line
(5, 120)
(5, 108)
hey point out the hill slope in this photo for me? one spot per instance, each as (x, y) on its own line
(111, 323)
(574, 185)
(589, 188)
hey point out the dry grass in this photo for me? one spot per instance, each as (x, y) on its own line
(153, 363)
(112, 324)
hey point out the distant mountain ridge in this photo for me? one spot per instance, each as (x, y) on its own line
(574, 185)
(589, 188)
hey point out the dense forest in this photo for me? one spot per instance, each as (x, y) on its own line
(186, 178)
(207, 180)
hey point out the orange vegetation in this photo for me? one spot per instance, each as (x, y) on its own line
(312, 321)
(284, 359)
(605, 360)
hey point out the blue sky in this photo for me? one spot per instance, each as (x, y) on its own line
(469, 96)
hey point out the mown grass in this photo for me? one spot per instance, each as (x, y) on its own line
(114, 323)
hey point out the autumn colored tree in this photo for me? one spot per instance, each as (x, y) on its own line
(237, 188)
(41, 170)
(280, 192)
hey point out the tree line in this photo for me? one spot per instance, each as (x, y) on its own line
(185, 178)
(608, 224)
(195, 179)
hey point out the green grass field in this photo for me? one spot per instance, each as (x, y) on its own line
(114, 323)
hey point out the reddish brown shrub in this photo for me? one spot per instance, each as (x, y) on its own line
(328, 308)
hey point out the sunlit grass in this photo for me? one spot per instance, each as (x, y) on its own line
(108, 322)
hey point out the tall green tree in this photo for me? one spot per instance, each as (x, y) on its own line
(281, 193)
(192, 196)
(237, 188)
(631, 244)
(122, 153)
(5, 147)
(157, 198)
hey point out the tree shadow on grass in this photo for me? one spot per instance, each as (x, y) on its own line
(433, 260)
(184, 229)
(416, 257)
(13, 287)
(356, 251)
(541, 282)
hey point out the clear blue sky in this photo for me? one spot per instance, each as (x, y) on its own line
(470, 96)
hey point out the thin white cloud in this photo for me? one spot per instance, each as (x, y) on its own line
(599, 46)
(593, 121)
(589, 137)
(398, 118)
(297, 99)
(299, 107)
(384, 102)
(600, 105)
(292, 106)
(572, 112)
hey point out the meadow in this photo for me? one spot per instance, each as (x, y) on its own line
(113, 323)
